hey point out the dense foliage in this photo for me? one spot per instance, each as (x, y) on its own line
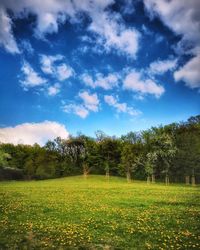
(170, 153)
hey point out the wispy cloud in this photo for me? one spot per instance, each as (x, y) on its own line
(190, 73)
(76, 109)
(53, 90)
(120, 107)
(27, 47)
(61, 71)
(136, 82)
(160, 67)
(91, 101)
(7, 39)
(30, 77)
(182, 18)
(106, 82)
(113, 34)
(108, 27)
(47, 63)
(64, 72)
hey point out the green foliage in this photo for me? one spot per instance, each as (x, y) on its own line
(3, 158)
(130, 157)
(172, 150)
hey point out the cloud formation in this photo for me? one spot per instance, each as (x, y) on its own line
(30, 133)
(160, 67)
(190, 73)
(26, 46)
(61, 71)
(134, 81)
(109, 28)
(106, 82)
(91, 101)
(120, 107)
(53, 90)
(76, 109)
(113, 34)
(30, 77)
(183, 18)
(7, 39)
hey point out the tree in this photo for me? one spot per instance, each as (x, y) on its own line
(149, 156)
(159, 150)
(150, 162)
(4, 158)
(88, 155)
(109, 150)
(166, 151)
(188, 144)
(130, 158)
(29, 168)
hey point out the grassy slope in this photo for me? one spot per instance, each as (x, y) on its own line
(97, 214)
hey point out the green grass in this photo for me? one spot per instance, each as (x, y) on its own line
(74, 213)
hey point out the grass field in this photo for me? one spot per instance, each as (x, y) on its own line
(74, 213)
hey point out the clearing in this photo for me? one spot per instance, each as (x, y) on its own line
(74, 213)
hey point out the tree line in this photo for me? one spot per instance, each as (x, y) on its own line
(170, 153)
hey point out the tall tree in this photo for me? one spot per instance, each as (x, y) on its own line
(130, 158)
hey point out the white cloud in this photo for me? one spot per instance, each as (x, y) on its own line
(113, 34)
(133, 81)
(54, 90)
(120, 107)
(30, 133)
(61, 71)
(87, 79)
(190, 73)
(79, 110)
(109, 99)
(183, 18)
(109, 28)
(26, 46)
(48, 61)
(106, 82)
(147, 31)
(160, 67)
(128, 7)
(91, 101)
(7, 39)
(31, 77)
(49, 14)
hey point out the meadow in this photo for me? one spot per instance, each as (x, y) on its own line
(94, 213)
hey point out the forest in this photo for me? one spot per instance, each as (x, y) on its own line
(169, 153)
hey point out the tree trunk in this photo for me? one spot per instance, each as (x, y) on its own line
(85, 174)
(153, 178)
(85, 170)
(128, 176)
(167, 179)
(148, 179)
(187, 180)
(193, 180)
(107, 174)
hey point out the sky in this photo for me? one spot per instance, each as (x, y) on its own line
(86, 65)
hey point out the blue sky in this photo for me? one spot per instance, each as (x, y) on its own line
(82, 66)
